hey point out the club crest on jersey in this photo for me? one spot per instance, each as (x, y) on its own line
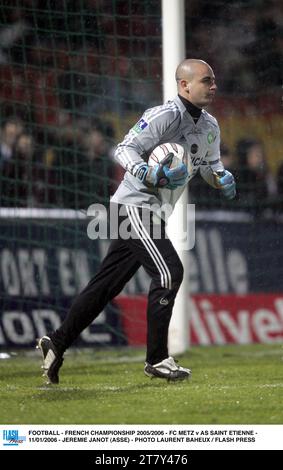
(210, 138)
(140, 126)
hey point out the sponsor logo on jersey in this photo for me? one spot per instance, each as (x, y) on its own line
(196, 161)
(140, 126)
(194, 148)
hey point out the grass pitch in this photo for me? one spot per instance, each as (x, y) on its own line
(230, 385)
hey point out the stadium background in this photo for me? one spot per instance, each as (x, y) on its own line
(74, 76)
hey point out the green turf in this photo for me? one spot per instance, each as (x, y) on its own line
(230, 384)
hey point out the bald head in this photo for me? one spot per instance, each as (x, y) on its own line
(196, 81)
(188, 68)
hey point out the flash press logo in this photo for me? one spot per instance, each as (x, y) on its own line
(11, 437)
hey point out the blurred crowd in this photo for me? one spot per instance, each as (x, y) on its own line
(63, 70)
(242, 39)
(74, 171)
(71, 170)
(258, 190)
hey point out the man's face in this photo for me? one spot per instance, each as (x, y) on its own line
(202, 87)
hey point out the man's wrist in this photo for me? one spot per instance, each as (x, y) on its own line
(152, 177)
(140, 171)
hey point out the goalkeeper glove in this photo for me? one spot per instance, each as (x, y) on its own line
(161, 176)
(226, 182)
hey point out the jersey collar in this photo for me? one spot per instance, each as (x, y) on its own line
(193, 110)
(180, 102)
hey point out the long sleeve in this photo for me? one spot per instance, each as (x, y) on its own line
(147, 133)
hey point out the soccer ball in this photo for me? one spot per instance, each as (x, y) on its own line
(180, 154)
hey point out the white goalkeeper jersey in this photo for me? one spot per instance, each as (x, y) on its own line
(170, 122)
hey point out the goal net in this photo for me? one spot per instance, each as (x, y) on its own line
(74, 76)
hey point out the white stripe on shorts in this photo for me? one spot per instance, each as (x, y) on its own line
(150, 246)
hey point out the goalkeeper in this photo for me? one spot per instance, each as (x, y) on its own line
(184, 121)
